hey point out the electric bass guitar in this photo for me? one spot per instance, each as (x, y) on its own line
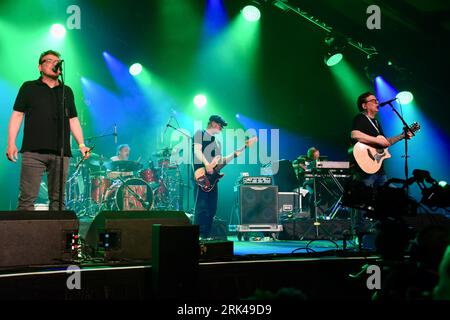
(207, 181)
(369, 158)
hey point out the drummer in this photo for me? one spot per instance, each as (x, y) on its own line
(123, 154)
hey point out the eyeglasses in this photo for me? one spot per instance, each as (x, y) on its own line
(50, 61)
(372, 100)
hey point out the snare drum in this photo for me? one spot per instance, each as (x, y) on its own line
(140, 197)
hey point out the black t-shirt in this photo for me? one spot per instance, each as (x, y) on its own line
(42, 108)
(362, 123)
(210, 147)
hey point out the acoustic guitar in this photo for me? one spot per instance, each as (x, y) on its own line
(369, 158)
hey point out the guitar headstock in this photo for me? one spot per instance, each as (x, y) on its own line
(415, 127)
(250, 141)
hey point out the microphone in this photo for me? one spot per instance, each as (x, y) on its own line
(115, 134)
(167, 125)
(58, 66)
(382, 104)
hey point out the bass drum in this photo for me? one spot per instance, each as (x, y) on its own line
(140, 197)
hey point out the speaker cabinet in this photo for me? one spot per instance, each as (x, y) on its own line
(175, 260)
(120, 235)
(37, 238)
(258, 204)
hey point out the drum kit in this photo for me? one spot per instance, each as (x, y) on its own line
(98, 183)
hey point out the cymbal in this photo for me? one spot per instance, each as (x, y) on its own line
(168, 167)
(123, 165)
(165, 152)
(97, 160)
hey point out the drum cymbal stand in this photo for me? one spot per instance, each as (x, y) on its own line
(144, 203)
(79, 205)
(189, 165)
(73, 197)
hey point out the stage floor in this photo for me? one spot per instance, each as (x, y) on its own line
(265, 246)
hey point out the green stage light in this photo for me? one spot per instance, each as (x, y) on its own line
(200, 101)
(335, 46)
(332, 59)
(58, 31)
(135, 69)
(251, 13)
(443, 183)
(405, 97)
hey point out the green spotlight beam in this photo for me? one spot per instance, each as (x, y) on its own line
(351, 83)
(227, 63)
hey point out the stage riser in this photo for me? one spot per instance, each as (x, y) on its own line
(318, 279)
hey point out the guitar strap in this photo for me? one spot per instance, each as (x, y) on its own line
(371, 122)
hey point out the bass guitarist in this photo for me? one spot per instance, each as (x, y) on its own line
(206, 151)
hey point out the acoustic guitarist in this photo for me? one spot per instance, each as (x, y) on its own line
(367, 130)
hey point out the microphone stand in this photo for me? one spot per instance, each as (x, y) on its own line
(405, 131)
(64, 114)
(188, 169)
(102, 136)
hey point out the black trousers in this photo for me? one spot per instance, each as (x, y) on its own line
(205, 209)
(33, 167)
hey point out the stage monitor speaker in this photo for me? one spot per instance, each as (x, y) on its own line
(258, 204)
(37, 238)
(127, 235)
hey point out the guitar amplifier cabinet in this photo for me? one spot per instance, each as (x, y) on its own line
(258, 205)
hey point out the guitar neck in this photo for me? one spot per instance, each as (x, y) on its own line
(235, 154)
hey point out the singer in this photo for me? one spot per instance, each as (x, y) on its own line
(39, 103)
(367, 130)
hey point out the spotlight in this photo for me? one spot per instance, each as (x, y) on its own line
(58, 31)
(335, 48)
(135, 69)
(251, 13)
(333, 58)
(200, 101)
(404, 97)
